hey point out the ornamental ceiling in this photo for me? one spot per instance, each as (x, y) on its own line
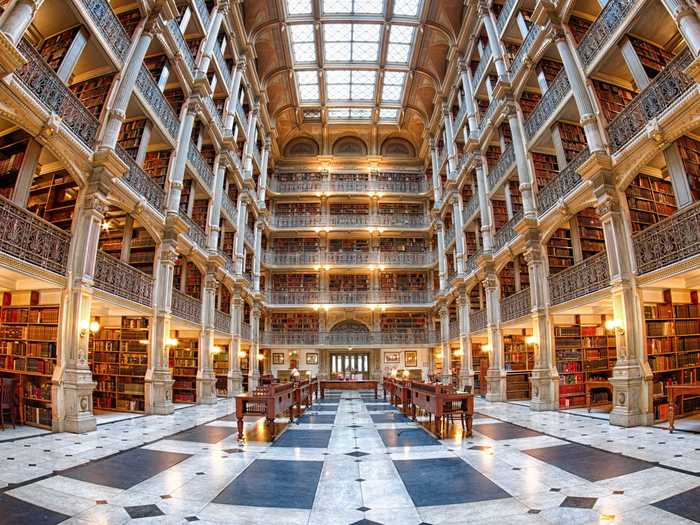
(370, 67)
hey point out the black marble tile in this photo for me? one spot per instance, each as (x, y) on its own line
(15, 511)
(357, 454)
(578, 502)
(446, 481)
(143, 511)
(366, 522)
(316, 419)
(587, 462)
(376, 407)
(123, 471)
(274, 483)
(499, 431)
(407, 437)
(390, 417)
(205, 434)
(686, 504)
(303, 439)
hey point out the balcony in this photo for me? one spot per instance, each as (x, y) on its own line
(203, 12)
(481, 68)
(407, 258)
(470, 209)
(546, 108)
(228, 263)
(250, 237)
(506, 233)
(562, 185)
(141, 182)
(30, 239)
(486, 117)
(109, 26)
(350, 258)
(454, 331)
(186, 307)
(502, 167)
(222, 322)
(355, 297)
(471, 264)
(516, 306)
(118, 278)
(477, 320)
(666, 88)
(326, 221)
(349, 186)
(296, 297)
(183, 50)
(223, 67)
(449, 237)
(246, 331)
(158, 103)
(292, 259)
(200, 166)
(195, 232)
(599, 34)
(242, 117)
(504, 15)
(229, 208)
(581, 279)
(525, 47)
(669, 241)
(214, 113)
(417, 337)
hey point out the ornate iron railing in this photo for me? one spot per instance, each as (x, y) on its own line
(503, 166)
(292, 259)
(454, 330)
(583, 278)
(458, 119)
(109, 25)
(561, 185)
(477, 320)
(200, 165)
(158, 103)
(245, 331)
(249, 237)
(203, 12)
(599, 33)
(481, 68)
(120, 279)
(346, 338)
(516, 306)
(520, 56)
(27, 237)
(141, 182)
(183, 49)
(470, 208)
(504, 15)
(395, 220)
(493, 105)
(186, 307)
(222, 322)
(545, 108)
(230, 208)
(298, 297)
(407, 258)
(470, 265)
(506, 233)
(195, 232)
(223, 66)
(668, 241)
(403, 297)
(651, 102)
(348, 220)
(53, 94)
(350, 257)
(228, 262)
(211, 108)
(242, 116)
(449, 237)
(401, 220)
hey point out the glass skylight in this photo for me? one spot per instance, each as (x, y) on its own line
(300, 7)
(303, 46)
(312, 115)
(365, 7)
(351, 42)
(350, 113)
(388, 114)
(392, 90)
(406, 7)
(351, 85)
(308, 86)
(400, 41)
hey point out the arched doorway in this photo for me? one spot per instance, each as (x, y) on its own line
(350, 364)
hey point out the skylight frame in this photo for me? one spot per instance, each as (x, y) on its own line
(358, 81)
(404, 12)
(292, 7)
(353, 7)
(353, 114)
(300, 41)
(359, 45)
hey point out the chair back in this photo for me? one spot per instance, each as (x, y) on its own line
(7, 393)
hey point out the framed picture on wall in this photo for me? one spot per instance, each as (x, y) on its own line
(392, 357)
(277, 359)
(410, 358)
(311, 359)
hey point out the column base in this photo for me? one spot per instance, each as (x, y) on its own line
(234, 383)
(545, 390)
(466, 381)
(206, 388)
(159, 393)
(496, 385)
(630, 387)
(75, 392)
(253, 382)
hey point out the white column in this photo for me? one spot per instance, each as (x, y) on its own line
(240, 233)
(234, 376)
(466, 369)
(484, 207)
(257, 255)
(442, 263)
(211, 38)
(446, 377)
(206, 380)
(437, 183)
(460, 251)
(254, 373)
(494, 42)
(262, 183)
(449, 142)
(215, 203)
(521, 163)
(465, 75)
(250, 141)
(65, 69)
(177, 173)
(25, 177)
(127, 237)
(686, 17)
(496, 374)
(19, 18)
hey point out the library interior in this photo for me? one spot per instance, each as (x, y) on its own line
(437, 261)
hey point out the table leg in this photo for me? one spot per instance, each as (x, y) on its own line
(375, 391)
(271, 422)
(671, 413)
(239, 425)
(588, 399)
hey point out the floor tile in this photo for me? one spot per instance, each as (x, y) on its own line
(274, 483)
(303, 439)
(325, 408)
(391, 417)
(578, 502)
(205, 434)
(686, 504)
(144, 511)
(502, 431)
(407, 437)
(446, 481)
(15, 511)
(317, 419)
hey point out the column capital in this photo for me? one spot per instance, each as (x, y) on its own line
(241, 63)
(444, 312)
(153, 24)
(555, 32)
(267, 143)
(463, 64)
(490, 281)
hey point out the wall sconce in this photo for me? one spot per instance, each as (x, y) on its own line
(486, 348)
(380, 195)
(143, 341)
(381, 267)
(261, 357)
(326, 307)
(394, 372)
(458, 353)
(372, 307)
(215, 349)
(87, 326)
(105, 225)
(241, 354)
(531, 340)
(615, 324)
(170, 341)
(327, 267)
(316, 307)
(405, 374)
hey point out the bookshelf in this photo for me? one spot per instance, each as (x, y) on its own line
(673, 348)
(413, 281)
(348, 245)
(28, 352)
(560, 251)
(480, 361)
(403, 244)
(546, 168)
(690, 154)
(400, 208)
(650, 199)
(52, 197)
(175, 97)
(155, 65)
(500, 213)
(55, 48)
(338, 208)
(612, 98)
(403, 322)
(183, 362)
(653, 58)
(348, 282)
(578, 27)
(590, 232)
(118, 358)
(12, 150)
(297, 208)
(584, 351)
(129, 19)
(283, 282)
(493, 153)
(130, 135)
(294, 322)
(200, 210)
(550, 69)
(519, 356)
(573, 139)
(221, 370)
(528, 101)
(143, 250)
(93, 92)
(296, 244)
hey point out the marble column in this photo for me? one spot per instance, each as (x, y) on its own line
(437, 183)
(234, 379)
(521, 163)
(442, 263)
(460, 249)
(177, 173)
(466, 369)
(18, 19)
(684, 13)
(262, 183)
(446, 376)
(496, 374)
(257, 255)
(494, 41)
(484, 207)
(206, 380)
(254, 372)
(241, 225)
(212, 34)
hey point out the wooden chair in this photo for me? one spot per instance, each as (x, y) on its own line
(7, 401)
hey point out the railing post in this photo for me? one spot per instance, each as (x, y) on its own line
(466, 370)
(496, 374)
(206, 380)
(234, 377)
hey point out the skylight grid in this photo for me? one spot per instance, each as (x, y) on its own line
(400, 42)
(303, 42)
(351, 42)
(406, 7)
(350, 114)
(392, 88)
(299, 7)
(364, 7)
(388, 114)
(351, 85)
(308, 86)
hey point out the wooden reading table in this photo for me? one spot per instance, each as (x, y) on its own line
(674, 391)
(350, 384)
(402, 395)
(388, 384)
(443, 401)
(268, 401)
(304, 393)
(596, 384)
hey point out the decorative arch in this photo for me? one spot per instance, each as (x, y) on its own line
(349, 146)
(350, 325)
(397, 147)
(301, 147)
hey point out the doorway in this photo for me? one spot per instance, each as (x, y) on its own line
(348, 363)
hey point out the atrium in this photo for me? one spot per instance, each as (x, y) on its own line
(353, 262)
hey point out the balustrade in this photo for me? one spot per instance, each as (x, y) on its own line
(486, 117)
(348, 220)
(524, 49)
(477, 320)
(242, 116)
(222, 322)
(481, 68)
(229, 208)
(581, 279)
(516, 306)
(407, 258)
(506, 233)
(363, 297)
(454, 331)
(141, 182)
(292, 259)
(471, 264)
(195, 232)
(203, 12)
(183, 49)
(449, 237)
(295, 297)
(245, 331)
(228, 263)
(223, 66)
(109, 25)
(28, 238)
(470, 209)
(201, 167)
(547, 105)
(502, 167)
(347, 338)
(211, 108)
(343, 258)
(504, 15)
(673, 239)
(349, 186)
(381, 220)
(250, 237)
(652, 101)
(158, 103)
(561, 185)
(186, 307)
(600, 32)
(403, 297)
